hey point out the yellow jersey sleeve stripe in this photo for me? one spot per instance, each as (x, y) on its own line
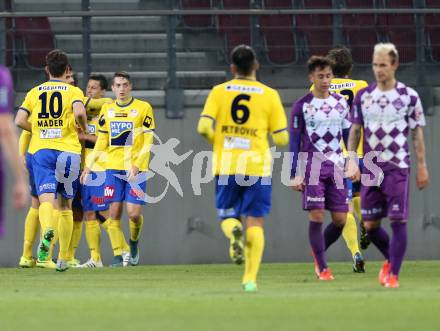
(87, 102)
(150, 130)
(207, 116)
(102, 131)
(77, 101)
(26, 110)
(280, 130)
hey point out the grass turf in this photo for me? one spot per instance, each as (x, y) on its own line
(209, 297)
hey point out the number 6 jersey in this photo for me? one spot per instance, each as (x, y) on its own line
(244, 111)
(50, 108)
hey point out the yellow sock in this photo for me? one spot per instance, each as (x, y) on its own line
(76, 237)
(124, 243)
(228, 225)
(254, 253)
(357, 208)
(56, 221)
(65, 229)
(31, 224)
(114, 232)
(105, 225)
(93, 236)
(135, 228)
(45, 213)
(350, 234)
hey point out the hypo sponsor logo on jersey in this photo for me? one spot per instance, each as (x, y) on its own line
(121, 133)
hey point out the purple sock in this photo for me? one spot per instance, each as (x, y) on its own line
(317, 242)
(331, 234)
(379, 237)
(398, 246)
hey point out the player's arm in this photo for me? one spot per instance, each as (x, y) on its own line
(80, 115)
(296, 129)
(23, 142)
(21, 119)
(142, 152)
(278, 122)
(354, 138)
(207, 119)
(416, 123)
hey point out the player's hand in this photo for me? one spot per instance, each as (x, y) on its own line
(422, 178)
(297, 183)
(352, 170)
(20, 194)
(132, 173)
(84, 175)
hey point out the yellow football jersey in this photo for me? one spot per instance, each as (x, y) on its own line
(100, 163)
(50, 108)
(349, 88)
(244, 112)
(124, 127)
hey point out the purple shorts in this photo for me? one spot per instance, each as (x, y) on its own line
(388, 199)
(322, 192)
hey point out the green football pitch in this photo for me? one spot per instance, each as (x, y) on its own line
(209, 297)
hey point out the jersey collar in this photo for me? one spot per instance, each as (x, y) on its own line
(126, 104)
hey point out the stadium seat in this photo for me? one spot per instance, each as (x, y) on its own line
(432, 30)
(400, 29)
(197, 21)
(236, 29)
(316, 30)
(278, 33)
(37, 38)
(360, 31)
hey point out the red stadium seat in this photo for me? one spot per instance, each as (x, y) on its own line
(9, 37)
(400, 29)
(278, 34)
(37, 37)
(360, 31)
(236, 29)
(317, 30)
(432, 29)
(197, 21)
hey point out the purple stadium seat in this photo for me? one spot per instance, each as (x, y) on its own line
(278, 35)
(316, 29)
(197, 21)
(236, 29)
(37, 37)
(360, 31)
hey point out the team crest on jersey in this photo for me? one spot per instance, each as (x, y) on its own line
(383, 101)
(310, 109)
(111, 112)
(325, 107)
(368, 100)
(92, 128)
(121, 133)
(133, 113)
(340, 108)
(398, 104)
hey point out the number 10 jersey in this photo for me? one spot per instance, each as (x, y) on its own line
(244, 112)
(50, 109)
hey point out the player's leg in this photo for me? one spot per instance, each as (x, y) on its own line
(135, 197)
(256, 204)
(350, 233)
(78, 216)
(398, 212)
(254, 251)
(356, 207)
(94, 203)
(65, 229)
(115, 192)
(114, 231)
(136, 221)
(31, 226)
(228, 204)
